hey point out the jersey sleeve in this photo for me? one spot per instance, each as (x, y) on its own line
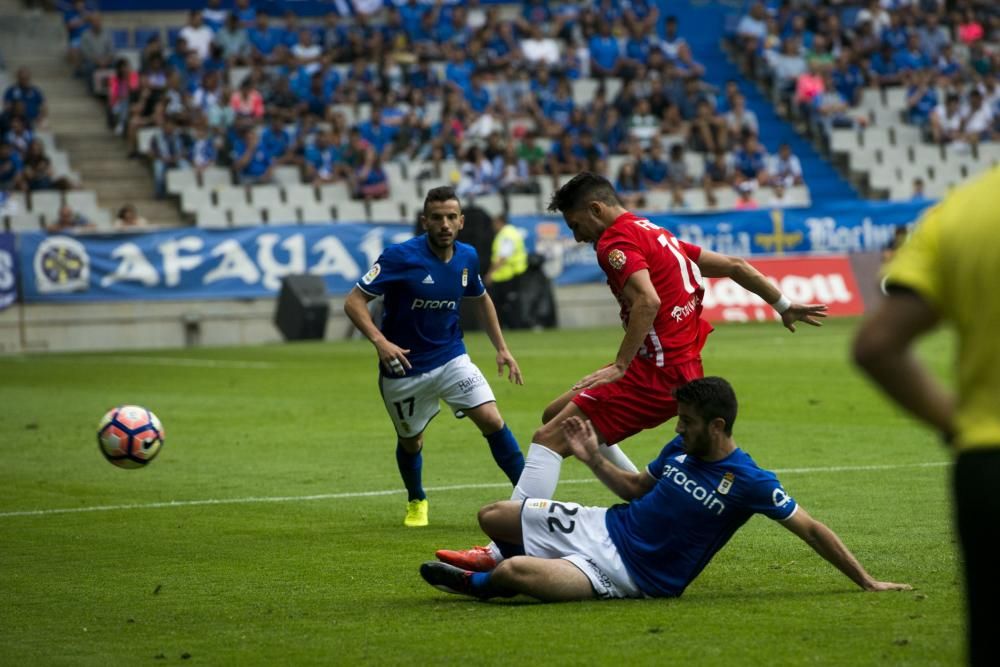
(619, 258)
(916, 265)
(767, 497)
(473, 282)
(382, 273)
(691, 250)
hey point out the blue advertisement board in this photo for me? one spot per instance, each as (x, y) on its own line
(835, 229)
(249, 263)
(8, 270)
(196, 263)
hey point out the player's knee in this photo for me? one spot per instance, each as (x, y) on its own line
(550, 412)
(412, 445)
(489, 516)
(512, 571)
(550, 435)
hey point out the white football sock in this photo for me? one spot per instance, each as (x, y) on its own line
(615, 454)
(541, 474)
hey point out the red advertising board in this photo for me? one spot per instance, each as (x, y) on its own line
(828, 280)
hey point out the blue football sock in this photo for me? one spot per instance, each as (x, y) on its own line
(506, 453)
(410, 469)
(481, 587)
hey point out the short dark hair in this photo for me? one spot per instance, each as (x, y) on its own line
(582, 189)
(712, 398)
(440, 193)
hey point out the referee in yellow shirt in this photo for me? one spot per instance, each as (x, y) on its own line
(949, 270)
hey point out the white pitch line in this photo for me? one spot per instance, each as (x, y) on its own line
(137, 360)
(389, 492)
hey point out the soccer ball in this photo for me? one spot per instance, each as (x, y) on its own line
(130, 436)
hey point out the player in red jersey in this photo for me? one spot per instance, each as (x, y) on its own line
(657, 281)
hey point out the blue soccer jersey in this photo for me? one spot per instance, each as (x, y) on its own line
(422, 299)
(669, 535)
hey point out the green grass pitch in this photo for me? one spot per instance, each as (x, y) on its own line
(309, 564)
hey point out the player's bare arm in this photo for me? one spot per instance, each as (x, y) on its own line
(716, 265)
(826, 543)
(487, 315)
(643, 304)
(582, 441)
(883, 348)
(390, 355)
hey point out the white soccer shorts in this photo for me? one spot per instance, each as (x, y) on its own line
(413, 401)
(579, 535)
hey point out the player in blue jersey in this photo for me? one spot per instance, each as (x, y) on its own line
(422, 357)
(683, 508)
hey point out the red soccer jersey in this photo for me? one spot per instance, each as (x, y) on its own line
(631, 244)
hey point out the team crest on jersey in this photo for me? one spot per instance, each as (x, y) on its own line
(465, 277)
(616, 258)
(726, 483)
(372, 274)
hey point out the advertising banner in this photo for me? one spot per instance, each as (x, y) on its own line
(196, 263)
(828, 280)
(8, 270)
(849, 227)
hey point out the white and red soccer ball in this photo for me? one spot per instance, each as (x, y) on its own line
(130, 436)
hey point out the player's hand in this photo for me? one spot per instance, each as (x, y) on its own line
(393, 358)
(879, 586)
(801, 312)
(581, 438)
(601, 376)
(505, 358)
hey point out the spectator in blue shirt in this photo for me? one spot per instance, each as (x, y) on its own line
(11, 167)
(653, 168)
(630, 186)
(252, 164)
(477, 95)
(921, 98)
(591, 156)
(214, 15)
(536, 12)
(245, 12)
(751, 160)
(263, 38)
(912, 58)
(559, 108)
(278, 141)
(31, 96)
(459, 69)
(170, 150)
(848, 78)
(605, 53)
(288, 35)
(323, 160)
(885, 67)
(376, 132)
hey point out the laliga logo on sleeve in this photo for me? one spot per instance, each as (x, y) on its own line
(61, 265)
(780, 498)
(465, 277)
(372, 274)
(616, 258)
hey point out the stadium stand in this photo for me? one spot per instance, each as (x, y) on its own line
(902, 96)
(341, 119)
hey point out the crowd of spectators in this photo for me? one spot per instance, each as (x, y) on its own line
(820, 57)
(426, 83)
(25, 165)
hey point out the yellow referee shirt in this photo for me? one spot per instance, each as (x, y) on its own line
(952, 260)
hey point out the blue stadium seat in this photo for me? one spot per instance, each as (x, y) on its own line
(172, 34)
(120, 39)
(143, 35)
